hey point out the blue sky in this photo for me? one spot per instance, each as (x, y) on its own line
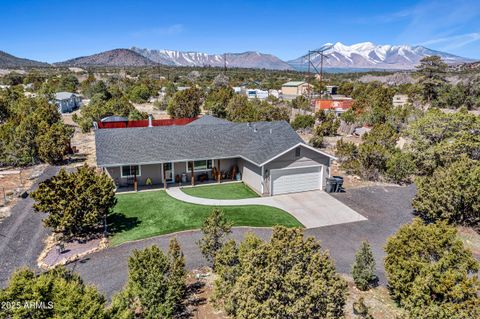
(57, 30)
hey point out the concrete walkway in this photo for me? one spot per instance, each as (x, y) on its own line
(313, 209)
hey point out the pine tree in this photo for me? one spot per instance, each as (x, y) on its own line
(77, 203)
(177, 274)
(186, 103)
(289, 277)
(431, 74)
(363, 270)
(214, 230)
(431, 274)
(57, 293)
(155, 286)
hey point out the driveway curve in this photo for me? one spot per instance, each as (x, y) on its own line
(387, 208)
(313, 209)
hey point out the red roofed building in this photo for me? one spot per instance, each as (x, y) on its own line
(338, 104)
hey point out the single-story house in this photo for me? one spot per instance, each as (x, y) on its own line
(269, 157)
(67, 101)
(338, 103)
(256, 94)
(296, 88)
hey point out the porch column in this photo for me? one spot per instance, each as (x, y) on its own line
(193, 174)
(263, 180)
(164, 177)
(219, 175)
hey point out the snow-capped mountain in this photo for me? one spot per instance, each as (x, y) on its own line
(248, 59)
(372, 56)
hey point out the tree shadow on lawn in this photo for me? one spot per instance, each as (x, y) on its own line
(118, 223)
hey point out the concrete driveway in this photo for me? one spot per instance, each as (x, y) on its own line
(313, 209)
(387, 208)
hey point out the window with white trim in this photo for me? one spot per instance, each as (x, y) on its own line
(131, 171)
(200, 166)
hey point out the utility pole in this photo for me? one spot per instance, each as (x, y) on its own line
(311, 65)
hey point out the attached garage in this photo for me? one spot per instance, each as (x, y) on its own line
(295, 179)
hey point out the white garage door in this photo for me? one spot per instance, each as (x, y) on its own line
(293, 180)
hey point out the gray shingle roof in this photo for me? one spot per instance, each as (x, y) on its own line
(193, 142)
(208, 120)
(64, 95)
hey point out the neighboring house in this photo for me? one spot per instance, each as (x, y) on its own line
(400, 99)
(338, 103)
(256, 94)
(67, 101)
(267, 156)
(296, 88)
(331, 89)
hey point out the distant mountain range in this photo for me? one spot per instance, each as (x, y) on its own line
(359, 56)
(116, 58)
(370, 56)
(248, 59)
(8, 61)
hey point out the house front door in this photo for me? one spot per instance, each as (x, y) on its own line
(169, 174)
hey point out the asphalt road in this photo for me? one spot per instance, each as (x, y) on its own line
(22, 234)
(386, 208)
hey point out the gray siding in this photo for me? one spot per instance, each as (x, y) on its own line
(251, 175)
(307, 158)
(152, 171)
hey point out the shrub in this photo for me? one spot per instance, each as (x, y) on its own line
(77, 203)
(363, 269)
(214, 229)
(287, 277)
(59, 293)
(451, 194)
(430, 273)
(185, 103)
(400, 167)
(303, 121)
(156, 284)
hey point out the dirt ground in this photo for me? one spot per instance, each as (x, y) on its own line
(83, 142)
(13, 182)
(471, 239)
(201, 288)
(151, 109)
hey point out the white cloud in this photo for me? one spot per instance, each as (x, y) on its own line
(455, 41)
(439, 20)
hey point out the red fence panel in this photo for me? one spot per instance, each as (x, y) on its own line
(144, 123)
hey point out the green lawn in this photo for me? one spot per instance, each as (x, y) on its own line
(221, 191)
(146, 214)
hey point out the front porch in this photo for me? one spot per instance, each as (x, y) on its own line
(175, 174)
(148, 188)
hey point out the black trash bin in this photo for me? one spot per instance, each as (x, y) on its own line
(339, 186)
(331, 185)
